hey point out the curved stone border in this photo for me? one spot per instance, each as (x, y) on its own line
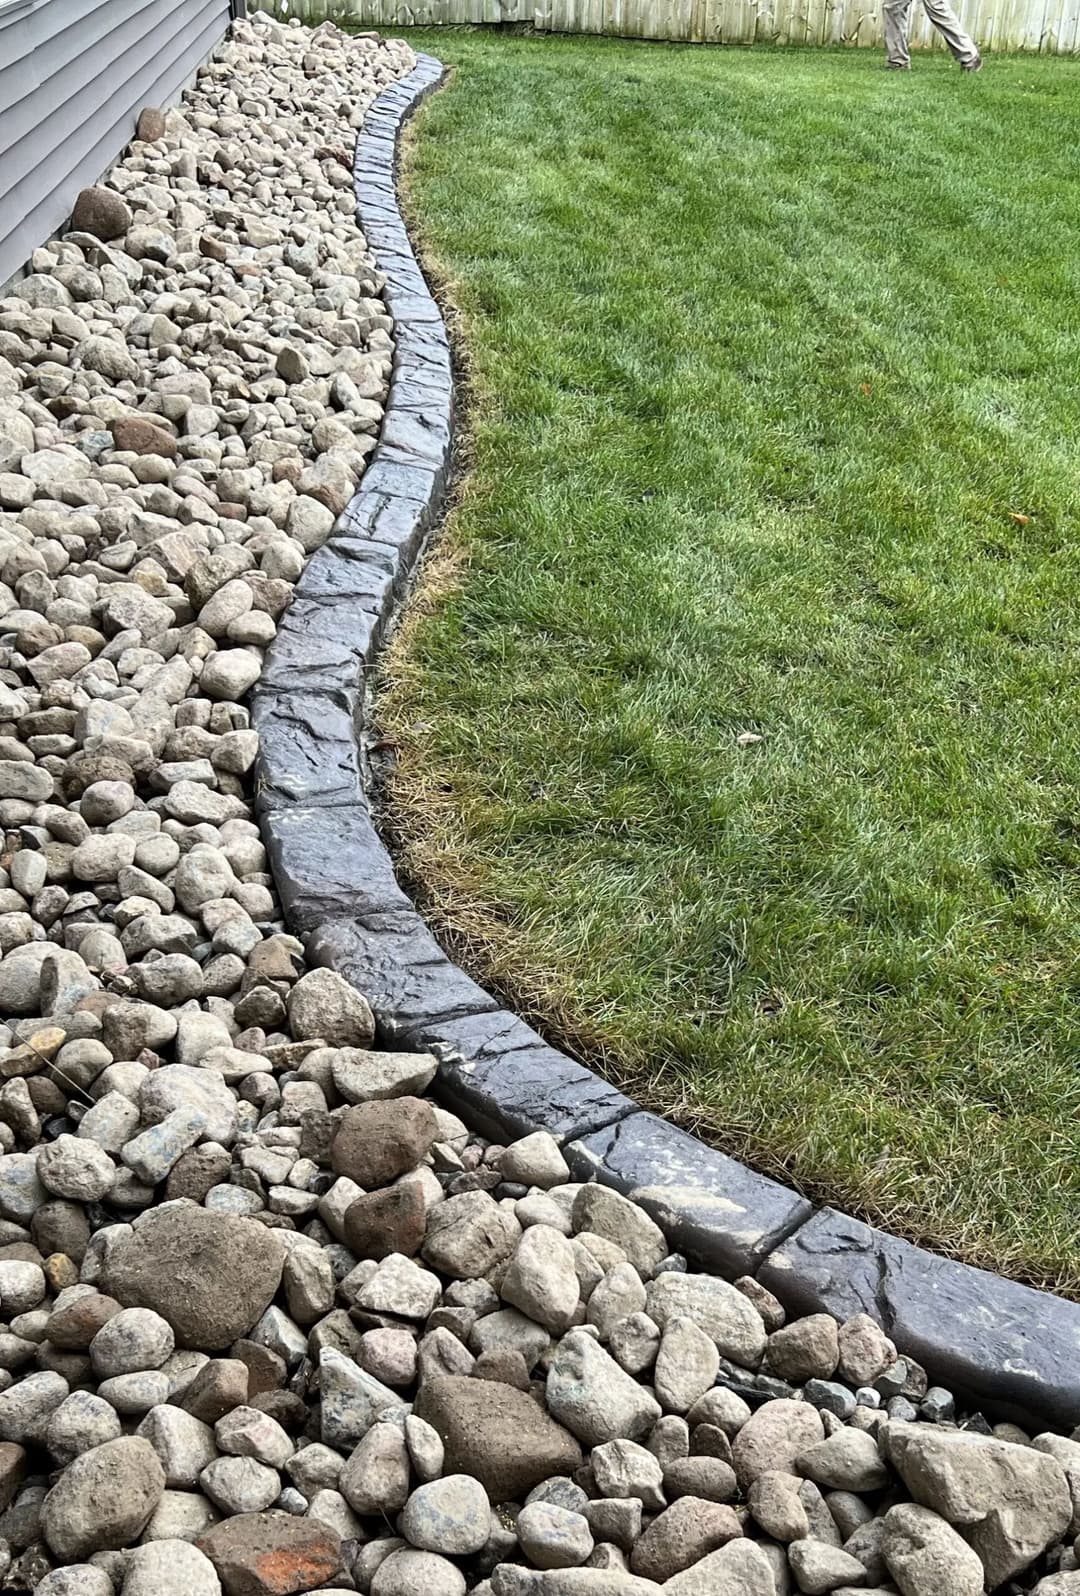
(1006, 1347)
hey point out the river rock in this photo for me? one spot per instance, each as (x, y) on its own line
(715, 1307)
(271, 1553)
(497, 1434)
(541, 1279)
(926, 1556)
(103, 1499)
(211, 1276)
(451, 1516)
(595, 1399)
(323, 1005)
(1012, 1501)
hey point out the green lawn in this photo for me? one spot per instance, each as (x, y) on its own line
(774, 395)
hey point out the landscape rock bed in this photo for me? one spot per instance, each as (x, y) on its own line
(272, 1317)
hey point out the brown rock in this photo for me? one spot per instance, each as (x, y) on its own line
(101, 212)
(20, 1252)
(74, 1327)
(615, 1520)
(709, 1440)
(271, 1554)
(865, 1350)
(809, 1349)
(137, 436)
(212, 248)
(12, 1472)
(212, 1276)
(316, 1135)
(275, 958)
(681, 1536)
(470, 1235)
(286, 1407)
(506, 1365)
(219, 1386)
(497, 1434)
(266, 1371)
(60, 1271)
(196, 1171)
(778, 1508)
(151, 124)
(382, 1222)
(773, 1437)
(769, 1307)
(61, 1226)
(86, 766)
(709, 1478)
(376, 1142)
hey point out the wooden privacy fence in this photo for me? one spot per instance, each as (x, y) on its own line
(1050, 26)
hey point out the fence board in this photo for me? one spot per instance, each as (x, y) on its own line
(1046, 26)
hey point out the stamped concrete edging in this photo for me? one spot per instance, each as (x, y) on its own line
(1006, 1347)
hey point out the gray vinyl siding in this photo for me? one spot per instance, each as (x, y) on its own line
(74, 75)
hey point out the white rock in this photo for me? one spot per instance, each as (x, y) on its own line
(240, 1484)
(715, 1307)
(541, 1278)
(184, 1445)
(399, 1286)
(451, 1516)
(169, 1568)
(247, 1432)
(535, 1160)
(22, 1286)
(593, 1397)
(131, 1341)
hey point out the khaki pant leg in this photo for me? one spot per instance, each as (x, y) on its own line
(897, 21)
(947, 23)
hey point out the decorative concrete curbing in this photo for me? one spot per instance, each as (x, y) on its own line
(1010, 1349)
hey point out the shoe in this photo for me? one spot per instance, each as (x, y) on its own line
(898, 66)
(974, 65)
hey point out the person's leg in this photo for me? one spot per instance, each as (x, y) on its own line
(897, 18)
(948, 24)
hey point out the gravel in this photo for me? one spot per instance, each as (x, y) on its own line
(272, 1321)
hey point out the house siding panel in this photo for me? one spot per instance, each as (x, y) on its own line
(74, 75)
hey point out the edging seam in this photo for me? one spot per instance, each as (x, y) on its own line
(1005, 1346)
